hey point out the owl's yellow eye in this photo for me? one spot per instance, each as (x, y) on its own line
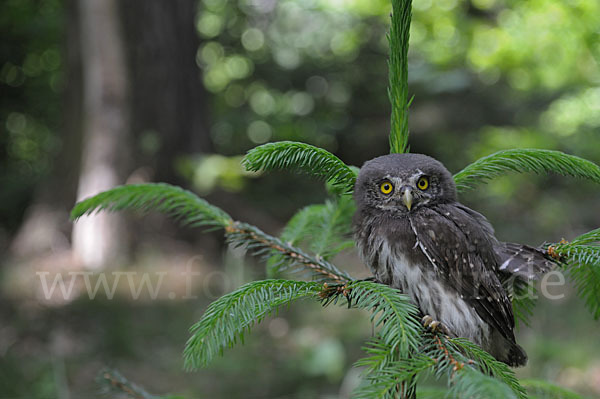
(386, 187)
(423, 183)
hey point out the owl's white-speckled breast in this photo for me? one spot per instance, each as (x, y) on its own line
(420, 282)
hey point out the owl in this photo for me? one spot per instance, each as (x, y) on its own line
(415, 236)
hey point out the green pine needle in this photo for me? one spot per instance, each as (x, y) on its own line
(385, 372)
(399, 351)
(301, 157)
(331, 232)
(470, 383)
(587, 238)
(173, 201)
(229, 317)
(538, 389)
(470, 371)
(287, 256)
(191, 210)
(323, 229)
(525, 160)
(487, 365)
(586, 277)
(579, 254)
(581, 260)
(398, 74)
(392, 313)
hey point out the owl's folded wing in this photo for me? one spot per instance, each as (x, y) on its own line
(523, 261)
(518, 260)
(461, 249)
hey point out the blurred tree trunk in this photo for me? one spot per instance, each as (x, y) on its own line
(134, 102)
(98, 240)
(168, 99)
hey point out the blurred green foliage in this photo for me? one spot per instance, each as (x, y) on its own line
(486, 74)
(310, 61)
(31, 80)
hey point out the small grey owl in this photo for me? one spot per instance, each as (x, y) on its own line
(415, 236)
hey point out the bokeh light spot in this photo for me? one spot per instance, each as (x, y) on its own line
(302, 103)
(209, 24)
(259, 132)
(262, 102)
(317, 86)
(253, 39)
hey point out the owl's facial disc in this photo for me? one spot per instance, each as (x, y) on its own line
(403, 183)
(404, 193)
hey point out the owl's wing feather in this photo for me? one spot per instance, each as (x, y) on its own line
(523, 261)
(461, 249)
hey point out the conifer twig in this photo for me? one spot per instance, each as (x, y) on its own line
(525, 160)
(114, 381)
(398, 71)
(244, 234)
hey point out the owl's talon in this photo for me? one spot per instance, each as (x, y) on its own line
(434, 326)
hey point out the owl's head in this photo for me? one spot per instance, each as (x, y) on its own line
(403, 182)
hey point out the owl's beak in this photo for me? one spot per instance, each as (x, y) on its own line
(407, 197)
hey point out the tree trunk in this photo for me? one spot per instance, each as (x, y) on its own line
(134, 100)
(98, 240)
(168, 98)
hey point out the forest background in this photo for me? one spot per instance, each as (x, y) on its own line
(185, 89)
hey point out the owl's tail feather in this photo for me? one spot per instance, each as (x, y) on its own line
(522, 261)
(516, 356)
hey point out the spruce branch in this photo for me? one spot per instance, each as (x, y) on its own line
(290, 257)
(386, 374)
(470, 371)
(392, 368)
(191, 210)
(323, 228)
(475, 357)
(538, 389)
(331, 232)
(398, 74)
(393, 315)
(397, 333)
(293, 234)
(525, 160)
(470, 383)
(580, 259)
(301, 157)
(173, 201)
(587, 280)
(587, 238)
(113, 382)
(229, 317)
